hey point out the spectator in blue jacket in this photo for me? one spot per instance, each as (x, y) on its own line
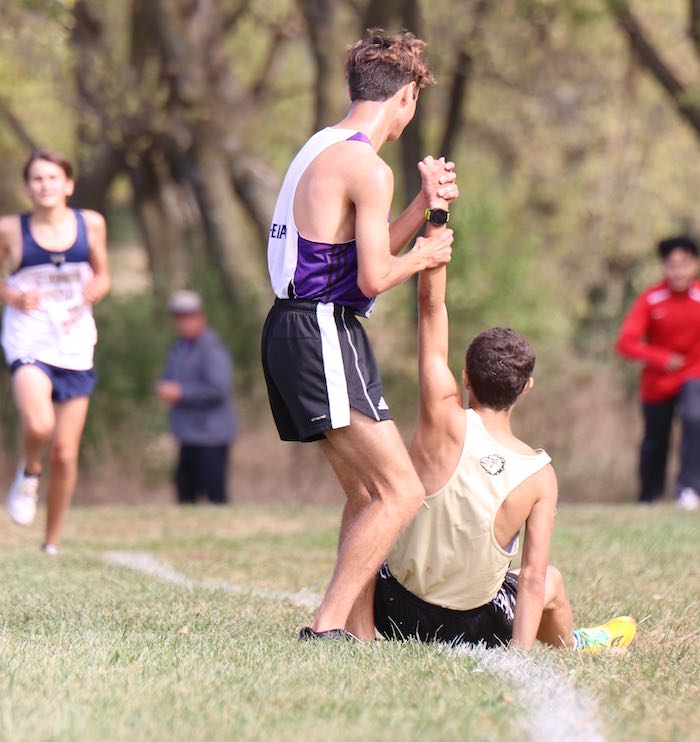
(197, 386)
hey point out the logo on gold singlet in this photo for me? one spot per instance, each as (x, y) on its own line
(493, 464)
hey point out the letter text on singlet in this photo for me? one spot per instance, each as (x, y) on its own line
(278, 231)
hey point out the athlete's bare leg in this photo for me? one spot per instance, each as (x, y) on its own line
(375, 453)
(70, 421)
(360, 621)
(557, 623)
(32, 391)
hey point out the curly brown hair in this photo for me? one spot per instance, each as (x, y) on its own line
(499, 364)
(379, 65)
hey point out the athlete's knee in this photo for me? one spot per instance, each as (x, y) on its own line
(554, 585)
(38, 429)
(409, 499)
(63, 456)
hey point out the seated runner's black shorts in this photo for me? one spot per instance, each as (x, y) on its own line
(318, 363)
(401, 615)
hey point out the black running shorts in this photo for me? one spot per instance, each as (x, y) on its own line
(318, 363)
(401, 615)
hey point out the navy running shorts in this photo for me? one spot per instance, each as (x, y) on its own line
(318, 364)
(65, 383)
(401, 615)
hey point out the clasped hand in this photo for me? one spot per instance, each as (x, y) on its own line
(438, 182)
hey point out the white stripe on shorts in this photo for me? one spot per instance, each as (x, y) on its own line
(357, 368)
(333, 368)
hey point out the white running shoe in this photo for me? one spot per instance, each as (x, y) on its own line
(50, 549)
(688, 499)
(22, 498)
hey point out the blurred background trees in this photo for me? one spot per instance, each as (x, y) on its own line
(575, 126)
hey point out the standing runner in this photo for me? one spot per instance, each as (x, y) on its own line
(330, 252)
(57, 261)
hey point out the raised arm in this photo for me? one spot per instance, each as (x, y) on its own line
(439, 433)
(97, 288)
(436, 382)
(437, 385)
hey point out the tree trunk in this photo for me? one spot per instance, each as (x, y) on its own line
(694, 23)
(390, 14)
(96, 176)
(454, 123)
(172, 127)
(160, 204)
(256, 185)
(463, 69)
(320, 22)
(228, 231)
(384, 14)
(98, 159)
(650, 57)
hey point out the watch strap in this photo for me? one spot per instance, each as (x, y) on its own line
(438, 217)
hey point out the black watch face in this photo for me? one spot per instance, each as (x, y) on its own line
(438, 216)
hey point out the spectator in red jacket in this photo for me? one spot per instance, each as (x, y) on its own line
(662, 330)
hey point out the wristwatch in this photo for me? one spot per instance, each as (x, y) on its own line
(438, 217)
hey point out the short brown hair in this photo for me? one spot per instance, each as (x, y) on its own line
(50, 155)
(379, 65)
(499, 363)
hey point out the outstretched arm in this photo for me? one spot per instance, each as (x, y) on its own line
(436, 383)
(439, 431)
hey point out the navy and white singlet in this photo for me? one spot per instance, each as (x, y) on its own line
(61, 331)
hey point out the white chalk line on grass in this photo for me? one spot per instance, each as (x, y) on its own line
(555, 711)
(149, 565)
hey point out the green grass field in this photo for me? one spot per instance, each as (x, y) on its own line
(90, 650)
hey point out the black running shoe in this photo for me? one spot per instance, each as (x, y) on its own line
(308, 634)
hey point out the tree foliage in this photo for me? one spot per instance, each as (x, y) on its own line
(575, 127)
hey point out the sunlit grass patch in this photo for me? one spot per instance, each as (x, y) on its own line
(89, 649)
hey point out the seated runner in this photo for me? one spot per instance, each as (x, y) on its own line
(448, 576)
